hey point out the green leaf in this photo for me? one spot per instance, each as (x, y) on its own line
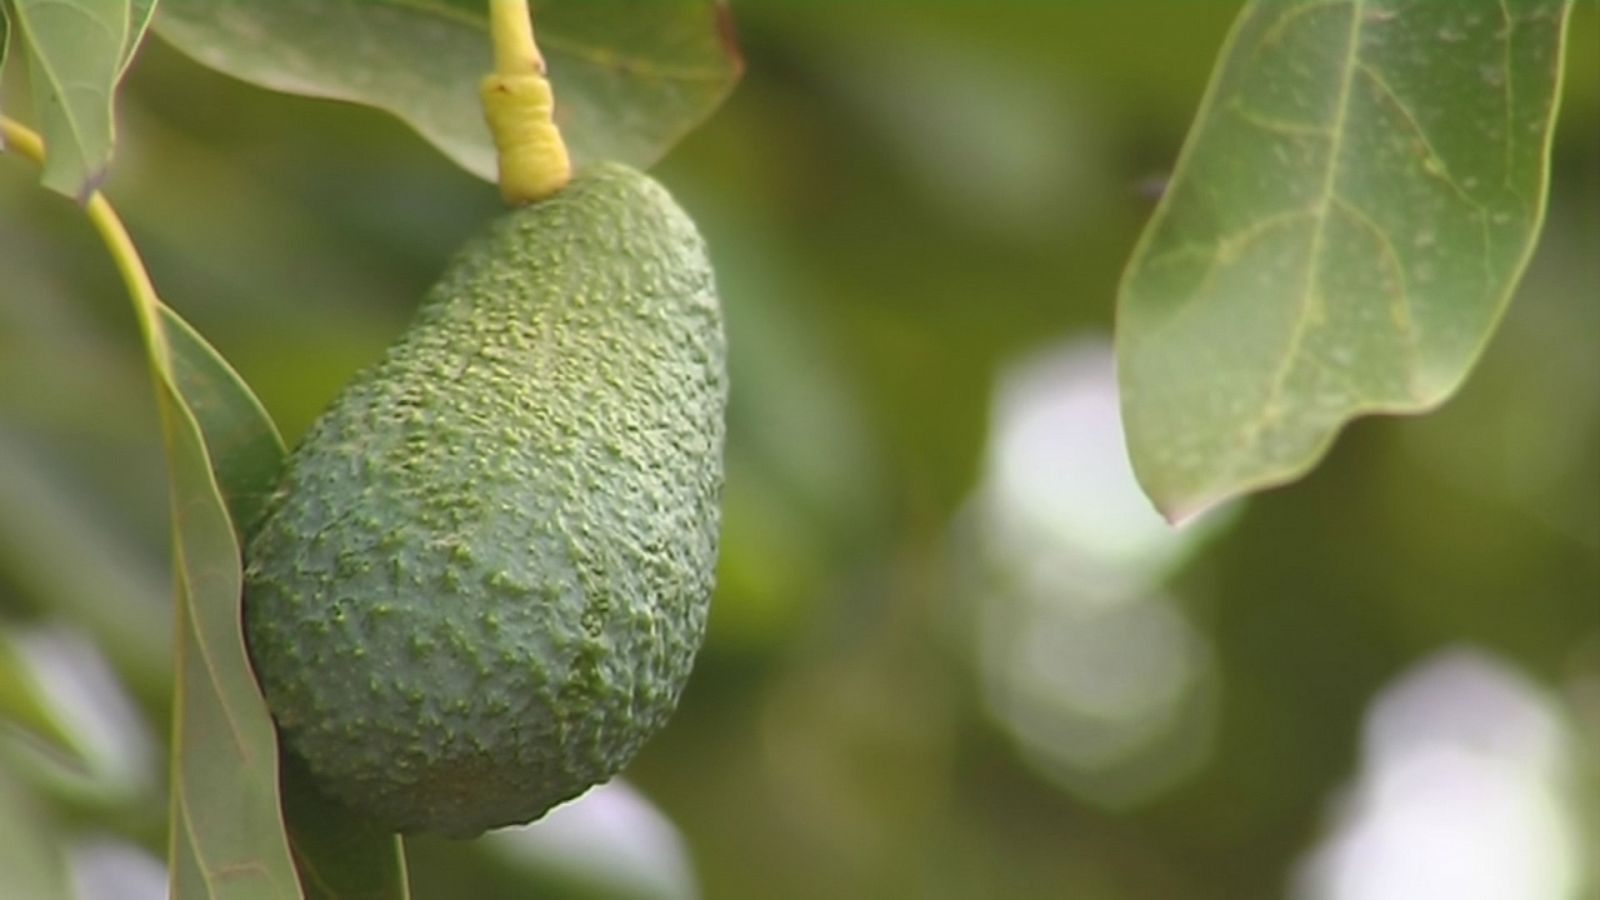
(25, 706)
(245, 448)
(339, 857)
(227, 831)
(140, 12)
(75, 58)
(31, 862)
(1356, 201)
(631, 77)
(5, 43)
(227, 838)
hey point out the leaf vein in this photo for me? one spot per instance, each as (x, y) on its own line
(1276, 124)
(1310, 299)
(1400, 299)
(1433, 164)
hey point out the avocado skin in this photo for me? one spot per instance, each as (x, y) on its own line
(482, 580)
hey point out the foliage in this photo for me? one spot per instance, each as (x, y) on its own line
(1356, 203)
(901, 201)
(632, 77)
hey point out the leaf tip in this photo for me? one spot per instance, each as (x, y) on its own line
(1179, 514)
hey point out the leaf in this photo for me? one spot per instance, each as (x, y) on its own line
(5, 44)
(31, 862)
(631, 77)
(140, 12)
(27, 707)
(221, 731)
(245, 448)
(227, 838)
(1355, 203)
(75, 58)
(340, 857)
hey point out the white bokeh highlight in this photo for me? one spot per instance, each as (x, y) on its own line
(1099, 677)
(1465, 793)
(612, 838)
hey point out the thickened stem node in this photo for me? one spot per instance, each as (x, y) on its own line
(520, 108)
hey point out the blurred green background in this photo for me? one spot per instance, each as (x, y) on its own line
(952, 653)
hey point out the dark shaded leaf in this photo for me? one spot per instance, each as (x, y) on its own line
(340, 856)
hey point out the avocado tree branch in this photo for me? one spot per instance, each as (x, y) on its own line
(520, 108)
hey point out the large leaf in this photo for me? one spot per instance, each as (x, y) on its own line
(75, 56)
(1357, 199)
(227, 838)
(631, 77)
(338, 856)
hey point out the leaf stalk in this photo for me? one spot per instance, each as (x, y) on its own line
(520, 108)
(119, 244)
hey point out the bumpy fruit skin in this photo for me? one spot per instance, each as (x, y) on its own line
(482, 581)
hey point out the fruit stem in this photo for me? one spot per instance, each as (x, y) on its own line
(146, 304)
(520, 108)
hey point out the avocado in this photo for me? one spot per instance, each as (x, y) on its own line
(481, 582)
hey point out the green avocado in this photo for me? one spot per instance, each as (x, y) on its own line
(480, 585)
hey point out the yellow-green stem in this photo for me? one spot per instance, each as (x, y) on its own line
(146, 303)
(511, 30)
(520, 109)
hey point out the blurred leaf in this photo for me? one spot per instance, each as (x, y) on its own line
(25, 705)
(139, 14)
(631, 78)
(64, 557)
(223, 727)
(340, 857)
(5, 42)
(75, 58)
(1358, 197)
(31, 866)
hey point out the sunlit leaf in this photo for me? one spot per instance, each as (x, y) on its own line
(631, 77)
(75, 56)
(1357, 199)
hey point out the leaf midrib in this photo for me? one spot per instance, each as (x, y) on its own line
(1322, 210)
